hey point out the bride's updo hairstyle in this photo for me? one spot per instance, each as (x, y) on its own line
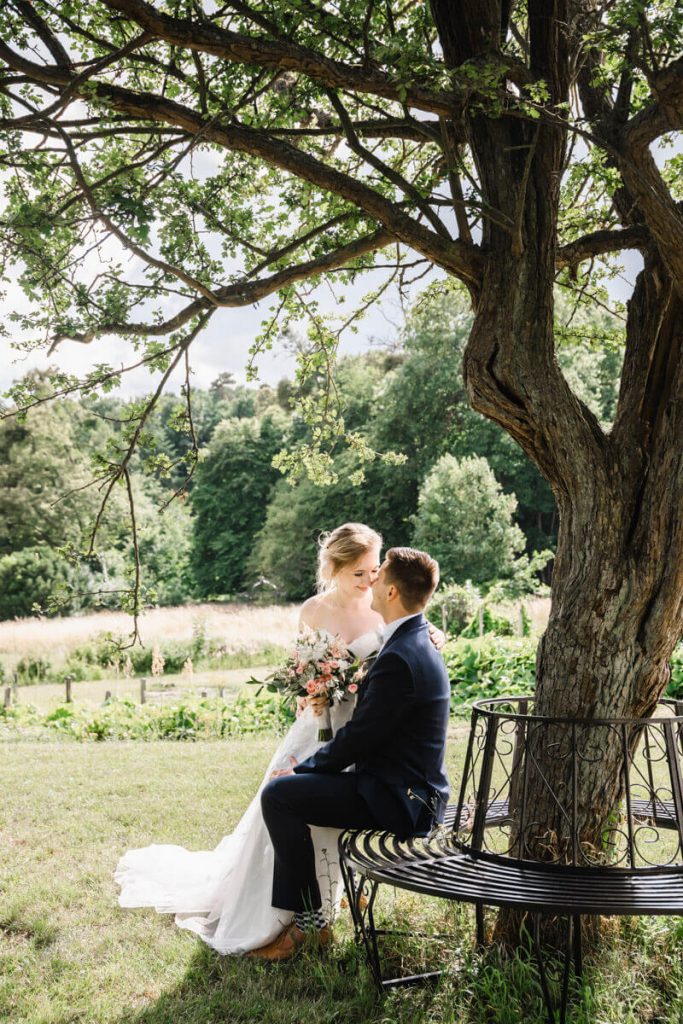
(342, 547)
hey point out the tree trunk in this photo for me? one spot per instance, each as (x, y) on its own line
(617, 587)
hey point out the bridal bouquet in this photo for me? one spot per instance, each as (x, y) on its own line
(319, 666)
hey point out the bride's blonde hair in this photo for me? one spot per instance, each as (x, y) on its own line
(343, 546)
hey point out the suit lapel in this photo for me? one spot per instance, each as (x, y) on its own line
(414, 624)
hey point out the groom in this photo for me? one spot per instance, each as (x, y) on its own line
(396, 740)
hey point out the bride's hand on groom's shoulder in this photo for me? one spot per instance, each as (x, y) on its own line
(437, 636)
(280, 772)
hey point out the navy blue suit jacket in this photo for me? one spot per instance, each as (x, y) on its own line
(397, 736)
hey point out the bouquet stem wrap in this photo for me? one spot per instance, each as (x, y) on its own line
(325, 728)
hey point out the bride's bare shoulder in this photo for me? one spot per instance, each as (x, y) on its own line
(311, 611)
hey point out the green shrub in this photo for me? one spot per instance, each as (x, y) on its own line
(488, 667)
(33, 670)
(454, 606)
(499, 625)
(675, 687)
(187, 719)
(108, 649)
(77, 671)
(174, 652)
(101, 650)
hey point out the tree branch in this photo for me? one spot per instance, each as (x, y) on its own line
(597, 242)
(391, 128)
(456, 257)
(382, 168)
(282, 56)
(30, 15)
(665, 114)
(242, 293)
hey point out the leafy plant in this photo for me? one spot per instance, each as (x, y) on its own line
(33, 670)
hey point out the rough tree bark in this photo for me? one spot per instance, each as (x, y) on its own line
(617, 586)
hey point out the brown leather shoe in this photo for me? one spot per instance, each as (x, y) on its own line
(362, 903)
(290, 941)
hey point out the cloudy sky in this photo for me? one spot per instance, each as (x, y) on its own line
(224, 345)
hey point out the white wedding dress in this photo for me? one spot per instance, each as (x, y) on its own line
(223, 895)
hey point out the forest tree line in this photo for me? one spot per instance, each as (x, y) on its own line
(238, 527)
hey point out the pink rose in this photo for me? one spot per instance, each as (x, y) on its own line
(352, 687)
(311, 687)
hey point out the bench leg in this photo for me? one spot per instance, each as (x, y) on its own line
(572, 948)
(481, 931)
(352, 895)
(363, 917)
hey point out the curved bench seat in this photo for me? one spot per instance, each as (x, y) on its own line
(490, 880)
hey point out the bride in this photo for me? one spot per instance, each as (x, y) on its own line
(223, 895)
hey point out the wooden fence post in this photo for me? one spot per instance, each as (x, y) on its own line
(8, 696)
(67, 682)
(107, 697)
(15, 688)
(221, 692)
(143, 689)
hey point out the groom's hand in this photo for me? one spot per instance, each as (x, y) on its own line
(285, 771)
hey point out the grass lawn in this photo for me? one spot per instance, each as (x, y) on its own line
(68, 954)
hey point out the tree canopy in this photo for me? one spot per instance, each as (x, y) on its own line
(215, 155)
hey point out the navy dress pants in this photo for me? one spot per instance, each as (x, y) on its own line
(290, 805)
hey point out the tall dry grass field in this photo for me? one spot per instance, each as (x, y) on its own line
(239, 626)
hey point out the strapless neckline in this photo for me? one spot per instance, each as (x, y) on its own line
(365, 644)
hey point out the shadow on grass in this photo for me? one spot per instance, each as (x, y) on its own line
(306, 990)
(338, 988)
(38, 932)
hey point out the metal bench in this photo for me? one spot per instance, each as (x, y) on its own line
(484, 853)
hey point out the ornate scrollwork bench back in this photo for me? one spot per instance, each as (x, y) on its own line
(561, 816)
(583, 792)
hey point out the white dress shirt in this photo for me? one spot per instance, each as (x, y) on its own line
(391, 627)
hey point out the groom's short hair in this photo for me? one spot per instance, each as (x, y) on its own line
(415, 574)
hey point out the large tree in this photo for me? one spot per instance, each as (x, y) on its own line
(238, 150)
